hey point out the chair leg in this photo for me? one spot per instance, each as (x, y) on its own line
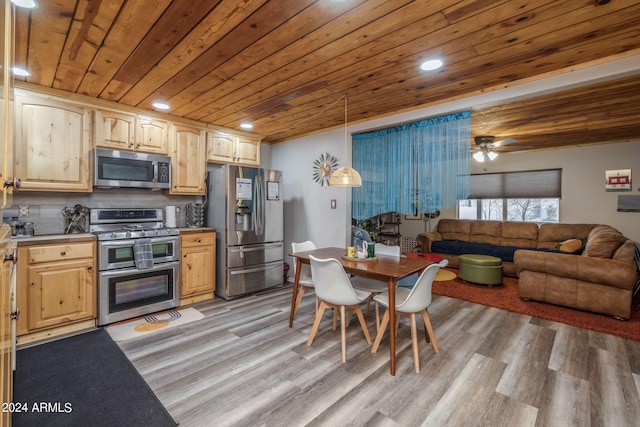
(381, 329)
(343, 333)
(414, 342)
(429, 328)
(363, 324)
(368, 305)
(299, 299)
(316, 323)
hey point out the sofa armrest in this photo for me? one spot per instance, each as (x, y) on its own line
(424, 240)
(602, 271)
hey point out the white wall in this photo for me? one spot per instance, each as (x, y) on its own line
(307, 205)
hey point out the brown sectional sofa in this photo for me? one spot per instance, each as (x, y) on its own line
(601, 279)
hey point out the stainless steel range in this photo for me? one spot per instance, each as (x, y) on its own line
(129, 286)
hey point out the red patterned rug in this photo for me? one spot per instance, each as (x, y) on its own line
(506, 297)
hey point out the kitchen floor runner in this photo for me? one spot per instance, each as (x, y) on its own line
(142, 326)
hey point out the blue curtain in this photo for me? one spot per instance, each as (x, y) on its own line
(414, 168)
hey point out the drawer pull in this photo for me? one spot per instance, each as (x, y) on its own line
(63, 253)
(199, 241)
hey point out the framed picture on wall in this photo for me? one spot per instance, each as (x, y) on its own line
(618, 180)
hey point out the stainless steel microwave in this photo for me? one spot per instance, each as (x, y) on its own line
(113, 168)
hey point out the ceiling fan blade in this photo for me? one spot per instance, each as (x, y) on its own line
(504, 142)
(520, 148)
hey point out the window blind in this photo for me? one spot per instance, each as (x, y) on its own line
(539, 184)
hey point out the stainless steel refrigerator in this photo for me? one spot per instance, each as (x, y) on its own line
(244, 205)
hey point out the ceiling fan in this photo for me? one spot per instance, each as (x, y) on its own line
(487, 147)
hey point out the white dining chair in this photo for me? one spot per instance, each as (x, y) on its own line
(305, 281)
(334, 290)
(411, 302)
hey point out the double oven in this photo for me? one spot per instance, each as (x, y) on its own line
(125, 290)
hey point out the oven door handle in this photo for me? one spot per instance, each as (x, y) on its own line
(128, 271)
(130, 242)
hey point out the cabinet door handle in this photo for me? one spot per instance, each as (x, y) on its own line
(90, 268)
(184, 256)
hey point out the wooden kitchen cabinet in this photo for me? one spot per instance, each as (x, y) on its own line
(197, 266)
(188, 164)
(52, 145)
(113, 129)
(223, 147)
(56, 285)
(151, 135)
(130, 132)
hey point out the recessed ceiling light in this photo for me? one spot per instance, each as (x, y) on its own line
(28, 4)
(246, 125)
(432, 64)
(160, 105)
(20, 72)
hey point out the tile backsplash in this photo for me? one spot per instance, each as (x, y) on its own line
(44, 209)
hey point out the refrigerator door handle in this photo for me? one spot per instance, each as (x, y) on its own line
(259, 206)
(242, 249)
(253, 270)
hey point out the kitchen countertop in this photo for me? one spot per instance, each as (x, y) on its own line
(52, 238)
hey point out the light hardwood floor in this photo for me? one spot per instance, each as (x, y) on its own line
(243, 366)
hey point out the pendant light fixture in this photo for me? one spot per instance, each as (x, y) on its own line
(345, 176)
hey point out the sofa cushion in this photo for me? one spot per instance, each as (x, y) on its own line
(454, 229)
(486, 232)
(519, 234)
(505, 253)
(603, 242)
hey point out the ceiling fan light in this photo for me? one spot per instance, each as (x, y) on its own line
(479, 156)
(492, 155)
(345, 177)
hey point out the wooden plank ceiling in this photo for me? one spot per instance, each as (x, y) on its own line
(284, 64)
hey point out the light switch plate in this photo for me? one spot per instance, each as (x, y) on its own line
(23, 210)
(333, 203)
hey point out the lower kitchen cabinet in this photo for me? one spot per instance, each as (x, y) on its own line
(56, 285)
(197, 266)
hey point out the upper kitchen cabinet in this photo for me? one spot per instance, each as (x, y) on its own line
(188, 165)
(52, 145)
(151, 135)
(223, 147)
(114, 130)
(130, 132)
(7, 180)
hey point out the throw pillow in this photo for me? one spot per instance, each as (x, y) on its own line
(571, 246)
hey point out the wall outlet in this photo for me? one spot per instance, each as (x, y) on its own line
(23, 210)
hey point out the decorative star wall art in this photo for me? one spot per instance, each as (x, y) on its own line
(323, 167)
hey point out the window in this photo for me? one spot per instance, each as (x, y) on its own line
(531, 196)
(527, 210)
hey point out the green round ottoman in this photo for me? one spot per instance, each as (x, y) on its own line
(480, 269)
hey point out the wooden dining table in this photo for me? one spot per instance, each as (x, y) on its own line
(388, 269)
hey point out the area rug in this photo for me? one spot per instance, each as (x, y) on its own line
(142, 326)
(506, 297)
(83, 380)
